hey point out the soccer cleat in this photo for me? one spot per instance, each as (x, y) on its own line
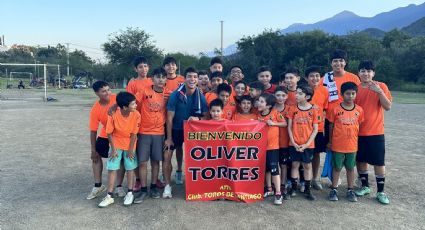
(316, 184)
(128, 199)
(382, 198)
(362, 191)
(95, 192)
(140, 197)
(178, 177)
(333, 195)
(278, 199)
(119, 191)
(154, 193)
(108, 200)
(167, 192)
(351, 196)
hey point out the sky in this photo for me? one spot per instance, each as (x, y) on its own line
(186, 26)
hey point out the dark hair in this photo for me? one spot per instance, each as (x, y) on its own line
(224, 87)
(124, 99)
(168, 60)
(256, 85)
(269, 98)
(216, 60)
(203, 72)
(159, 71)
(281, 88)
(263, 69)
(348, 86)
(98, 85)
(216, 74)
(292, 70)
(307, 90)
(245, 98)
(367, 65)
(138, 60)
(190, 70)
(338, 54)
(236, 66)
(216, 102)
(312, 69)
(240, 82)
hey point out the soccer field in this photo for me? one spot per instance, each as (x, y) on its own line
(46, 175)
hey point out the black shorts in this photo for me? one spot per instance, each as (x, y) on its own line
(319, 143)
(178, 138)
(272, 161)
(371, 150)
(102, 146)
(284, 157)
(304, 157)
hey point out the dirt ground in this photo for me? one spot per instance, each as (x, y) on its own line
(46, 175)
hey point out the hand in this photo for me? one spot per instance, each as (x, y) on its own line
(296, 146)
(167, 144)
(191, 118)
(95, 157)
(374, 86)
(130, 154)
(113, 154)
(270, 122)
(301, 148)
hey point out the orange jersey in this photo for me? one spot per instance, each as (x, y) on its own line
(320, 99)
(152, 110)
(228, 111)
(122, 127)
(283, 131)
(210, 96)
(136, 85)
(273, 131)
(99, 114)
(271, 89)
(302, 124)
(339, 81)
(244, 117)
(345, 131)
(291, 100)
(174, 83)
(369, 100)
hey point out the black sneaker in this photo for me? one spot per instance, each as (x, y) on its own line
(309, 195)
(154, 193)
(333, 195)
(292, 192)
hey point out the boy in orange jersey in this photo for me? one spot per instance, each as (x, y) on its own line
(216, 110)
(256, 88)
(216, 65)
(291, 78)
(141, 67)
(99, 143)
(216, 78)
(374, 97)
(274, 120)
(153, 100)
(224, 91)
(240, 89)
(343, 132)
(243, 112)
(173, 80)
(281, 95)
(264, 75)
(303, 122)
(122, 129)
(320, 100)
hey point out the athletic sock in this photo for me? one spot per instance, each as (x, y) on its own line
(364, 179)
(153, 185)
(294, 183)
(144, 189)
(130, 190)
(301, 174)
(97, 185)
(119, 186)
(137, 179)
(111, 194)
(380, 182)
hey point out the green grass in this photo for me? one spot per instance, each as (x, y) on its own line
(408, 98)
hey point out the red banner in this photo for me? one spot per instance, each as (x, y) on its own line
(225, 159)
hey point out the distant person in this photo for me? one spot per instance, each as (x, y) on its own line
(374, 97)
(21, 85)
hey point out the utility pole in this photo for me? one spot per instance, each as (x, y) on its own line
(67, 59)
(221, 22)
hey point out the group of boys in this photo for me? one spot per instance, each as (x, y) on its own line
(304, 117)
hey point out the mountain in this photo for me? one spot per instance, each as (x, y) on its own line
(346, 21)
(416, 28)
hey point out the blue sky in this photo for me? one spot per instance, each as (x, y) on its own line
(186, 26)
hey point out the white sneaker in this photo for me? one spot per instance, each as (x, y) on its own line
(96, 191)
(108, 200)
(119, 191)
(128, 199)
(178, 177)
(167, 192)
